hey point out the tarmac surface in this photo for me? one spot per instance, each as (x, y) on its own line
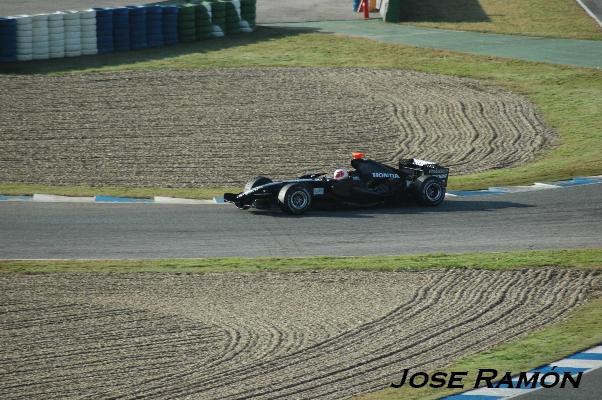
(580, 53)
(561, 218)
(595, 7)
(589, 389)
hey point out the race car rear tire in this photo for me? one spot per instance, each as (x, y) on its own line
(294, 199)
(431, 191)
(257, 181)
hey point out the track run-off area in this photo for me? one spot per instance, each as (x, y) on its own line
(216, 128)
(326, 335)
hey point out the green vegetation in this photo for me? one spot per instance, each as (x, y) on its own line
(582, 258)
(580, 331)
(548, 18)
(570, 99)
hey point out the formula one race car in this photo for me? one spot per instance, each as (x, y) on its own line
(370, 183)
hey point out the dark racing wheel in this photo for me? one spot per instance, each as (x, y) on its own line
(431, 191)
(294, 198)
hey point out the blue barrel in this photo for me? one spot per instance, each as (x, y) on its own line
(154, 26)
(104, 30)
(8, 39)
(137, 27)
(170, 24)
(121, 29)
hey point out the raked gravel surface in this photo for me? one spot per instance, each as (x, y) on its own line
(220, 127)
(323, 335)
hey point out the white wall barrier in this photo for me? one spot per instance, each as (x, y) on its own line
(24, 38)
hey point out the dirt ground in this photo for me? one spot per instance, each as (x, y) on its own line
(220, 127)
(326, 335)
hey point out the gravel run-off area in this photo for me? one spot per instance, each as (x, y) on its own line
(220, 127)
(323, 335)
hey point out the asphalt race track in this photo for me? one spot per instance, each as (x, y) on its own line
(561, 218)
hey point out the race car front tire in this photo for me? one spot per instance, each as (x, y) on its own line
(431, 191)
(294, 199)
(257, 181)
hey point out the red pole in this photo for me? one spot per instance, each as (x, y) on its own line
(366, 11)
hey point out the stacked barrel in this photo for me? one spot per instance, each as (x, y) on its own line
(138, 32)
(24, 38)
(232, 16)
(248, 15)
(40, 41)
(89, 39)
(104, 30)
(218, 18)
(56, 35)
(73, 33)
(121, 29)
(203, 20)
(154, 26)
(8, 40)
(187, 23)
(170, 24)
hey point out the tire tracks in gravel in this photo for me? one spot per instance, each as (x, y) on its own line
(218, 127)
(327, 335)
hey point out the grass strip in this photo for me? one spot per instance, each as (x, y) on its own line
(546, 18)
(581, 330)
(579, 258)
(568, 98)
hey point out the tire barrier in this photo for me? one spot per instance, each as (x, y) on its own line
(73, 33)
(121, 29)
(232, 16)
(105, 30)
(56, 35)
(247, 15)
(8, 40)
(137, 27)
(40, 39)
(218, 19)
(89, 39)
(187, 23)
(24, 38)
(154, 26)
(170, 24)
(203, 21)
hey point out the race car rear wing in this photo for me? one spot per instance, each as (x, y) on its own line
(415, 168)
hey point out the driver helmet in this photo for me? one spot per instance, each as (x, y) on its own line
(341, 174)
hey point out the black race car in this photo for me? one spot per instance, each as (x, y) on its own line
(370, 183)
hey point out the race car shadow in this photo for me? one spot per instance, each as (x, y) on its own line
(407, 208)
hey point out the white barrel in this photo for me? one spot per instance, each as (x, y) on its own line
(40, 41)
(88, 25)
(24, 37)
(56, 34)
(73, 33)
